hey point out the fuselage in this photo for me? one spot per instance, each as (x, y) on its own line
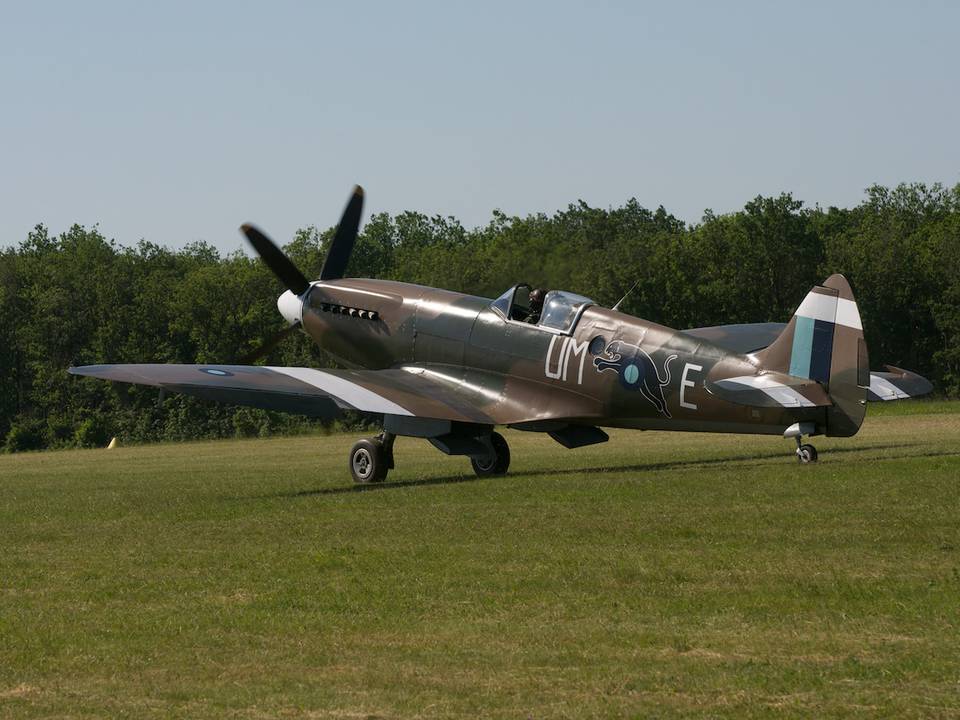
(631, 373)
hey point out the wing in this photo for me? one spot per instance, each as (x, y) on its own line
(742, 339)
(423, 391)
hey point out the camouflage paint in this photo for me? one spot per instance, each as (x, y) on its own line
(420, 352)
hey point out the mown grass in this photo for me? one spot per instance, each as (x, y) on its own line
(661, 575)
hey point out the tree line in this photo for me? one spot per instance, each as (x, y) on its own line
(79, 298)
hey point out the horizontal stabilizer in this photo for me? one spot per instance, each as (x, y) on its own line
(770, 389)
(897, 384)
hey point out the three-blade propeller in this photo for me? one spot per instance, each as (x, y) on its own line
(334, 265)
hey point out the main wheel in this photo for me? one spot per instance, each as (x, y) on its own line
(807, 454)
(497, 463)
(368, 461)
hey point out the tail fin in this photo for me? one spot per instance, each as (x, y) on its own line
(824, 342)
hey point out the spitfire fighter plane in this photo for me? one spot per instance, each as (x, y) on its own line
(450, 367)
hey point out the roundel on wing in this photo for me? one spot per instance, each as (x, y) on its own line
(217, 372)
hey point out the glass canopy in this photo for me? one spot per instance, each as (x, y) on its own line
(560, 308)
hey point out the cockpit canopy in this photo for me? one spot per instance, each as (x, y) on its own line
(562, 309)
(560, 313)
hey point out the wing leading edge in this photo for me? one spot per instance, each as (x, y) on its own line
(295, 390)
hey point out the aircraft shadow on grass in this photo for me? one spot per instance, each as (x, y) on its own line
(639, 467)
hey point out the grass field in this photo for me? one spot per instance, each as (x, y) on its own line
(661, 575)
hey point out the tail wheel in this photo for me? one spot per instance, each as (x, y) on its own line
(368, 461)
(498, 462)
(807, 454)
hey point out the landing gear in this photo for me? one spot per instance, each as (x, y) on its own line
(497, 462)
(372, 458)
(806, 453)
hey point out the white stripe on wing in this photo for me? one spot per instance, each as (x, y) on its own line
(350, 392)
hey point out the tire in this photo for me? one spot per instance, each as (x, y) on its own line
(498, 463)
(807, 454)
(368, 462)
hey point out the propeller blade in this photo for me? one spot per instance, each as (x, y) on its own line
(267, 347)
(335, 264)
(279, 263)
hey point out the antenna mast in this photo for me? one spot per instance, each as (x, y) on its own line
(632, 288)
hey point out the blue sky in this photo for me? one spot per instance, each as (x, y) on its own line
(178, 121)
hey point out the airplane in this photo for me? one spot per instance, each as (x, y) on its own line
(450, 367)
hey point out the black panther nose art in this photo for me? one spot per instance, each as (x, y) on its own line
(637, 371)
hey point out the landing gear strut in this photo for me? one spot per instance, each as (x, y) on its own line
(498, 460)
(372, 458)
